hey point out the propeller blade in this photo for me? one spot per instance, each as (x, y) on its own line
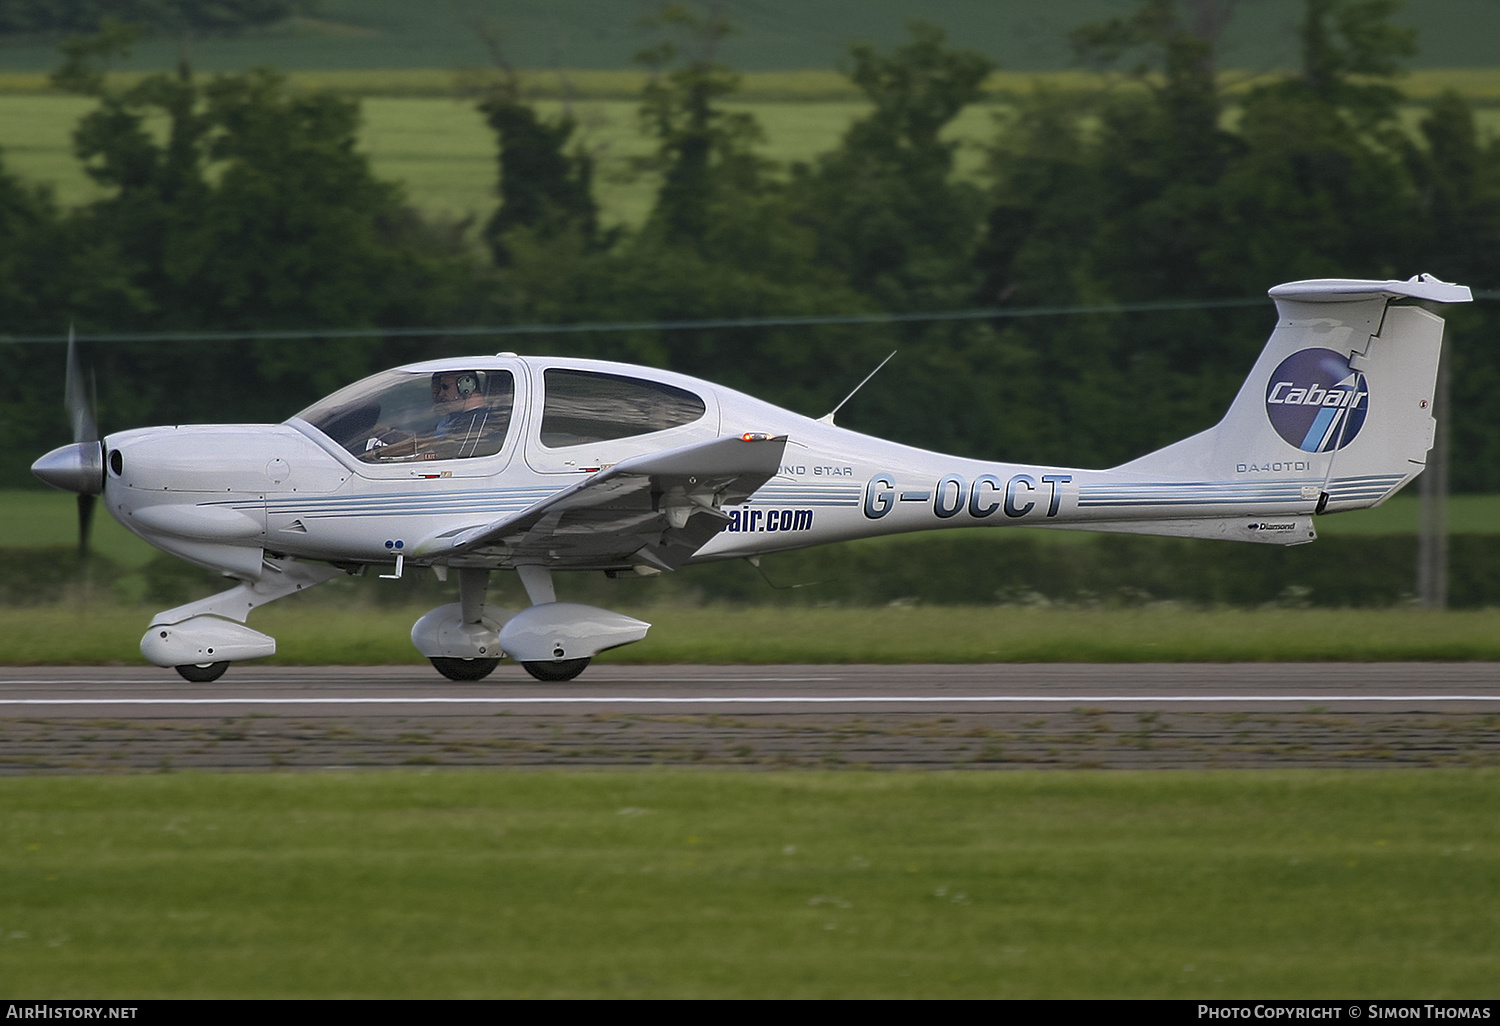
(80, 409)
(85, 523)
(80, 404)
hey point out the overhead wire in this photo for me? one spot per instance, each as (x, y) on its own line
(700, 324)
(587, 327)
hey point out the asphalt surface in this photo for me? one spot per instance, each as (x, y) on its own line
(994, 716)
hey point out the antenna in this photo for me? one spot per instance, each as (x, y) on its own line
(755, 562)
(827, 418)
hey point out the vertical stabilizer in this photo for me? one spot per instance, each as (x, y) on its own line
(1339, 403)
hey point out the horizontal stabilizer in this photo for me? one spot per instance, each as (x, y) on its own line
(1271, 530)
(1348, 290)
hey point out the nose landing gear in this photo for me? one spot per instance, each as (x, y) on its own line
(200, 640)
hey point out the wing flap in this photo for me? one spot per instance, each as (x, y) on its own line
(661, 507)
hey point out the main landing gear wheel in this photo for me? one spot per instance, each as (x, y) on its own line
(464, 669)
(557, 670)
(202, 673)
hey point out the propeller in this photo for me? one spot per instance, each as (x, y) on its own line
(78, 467)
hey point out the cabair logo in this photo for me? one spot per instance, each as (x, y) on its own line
(1316, 402)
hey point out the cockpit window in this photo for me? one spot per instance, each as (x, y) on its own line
(401, 416)
(586, 406)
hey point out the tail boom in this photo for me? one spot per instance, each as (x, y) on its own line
(1336, 414)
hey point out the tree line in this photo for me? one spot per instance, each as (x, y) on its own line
(237, 203)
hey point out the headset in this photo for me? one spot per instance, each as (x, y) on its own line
(465, 384)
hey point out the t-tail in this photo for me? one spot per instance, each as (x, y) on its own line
(1337, 414)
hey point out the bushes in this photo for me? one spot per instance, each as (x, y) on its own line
(968, 568)
(1113, 570)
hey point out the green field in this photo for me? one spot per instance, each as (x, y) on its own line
(439, 148)
(665, 884)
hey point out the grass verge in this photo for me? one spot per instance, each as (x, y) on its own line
(312, 633)
(1297, 884)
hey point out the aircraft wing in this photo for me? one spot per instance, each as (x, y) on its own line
(656, 509)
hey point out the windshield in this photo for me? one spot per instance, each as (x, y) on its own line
(402, 416)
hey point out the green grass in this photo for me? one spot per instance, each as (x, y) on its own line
(966, 634)
(668, 884)
(39, 519)
(314, 630)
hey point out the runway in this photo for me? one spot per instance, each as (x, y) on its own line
(399, 690)
(993, 716)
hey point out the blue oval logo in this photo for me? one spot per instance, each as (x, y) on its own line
(1316, 401)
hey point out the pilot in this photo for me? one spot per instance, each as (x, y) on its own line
(464, 413)
(469, 421)
(457, 398)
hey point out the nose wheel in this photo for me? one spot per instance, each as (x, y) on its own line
(202, 673)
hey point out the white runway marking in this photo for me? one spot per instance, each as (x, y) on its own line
(138, 682)
(747, 700)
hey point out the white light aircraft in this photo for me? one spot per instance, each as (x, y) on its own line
(539, 464)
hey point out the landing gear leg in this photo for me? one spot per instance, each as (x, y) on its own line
(473, 583)
(199, 640)
(555, 640)
(461, 639)
(537, 581)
